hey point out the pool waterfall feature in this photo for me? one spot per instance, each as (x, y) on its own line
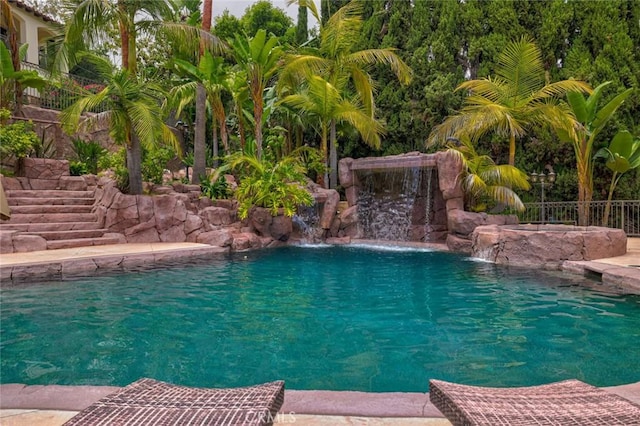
(411, 197)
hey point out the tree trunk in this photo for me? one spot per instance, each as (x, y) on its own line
(257, 116)
(134, 160)
(199, 144)
(333, 157)
(585, 182)
(323, 178)
(215, 143)
(512, 150)
(607, 207)
(124, 35)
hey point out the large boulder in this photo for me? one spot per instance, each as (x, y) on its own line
(546, 245)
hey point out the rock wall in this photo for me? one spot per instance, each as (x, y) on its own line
(546, 246)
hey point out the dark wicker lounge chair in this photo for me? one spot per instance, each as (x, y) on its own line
(570, 402)
(150, 402)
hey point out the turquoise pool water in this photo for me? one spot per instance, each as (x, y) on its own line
(331, 318)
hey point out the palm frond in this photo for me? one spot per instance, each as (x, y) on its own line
(386, 56)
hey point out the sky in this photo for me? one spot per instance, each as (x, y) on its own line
(237, 8)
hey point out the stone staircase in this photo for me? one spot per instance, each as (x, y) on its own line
(53, 219)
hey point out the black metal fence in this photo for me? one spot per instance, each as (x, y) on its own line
(61, 92)
(624, 214)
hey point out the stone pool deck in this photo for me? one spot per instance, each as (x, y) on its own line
(53, 405)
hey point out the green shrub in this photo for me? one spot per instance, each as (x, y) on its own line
(117, 163)
(215, 187)
(89, 153)
(273, 185)
(16, 139)
(78, 168)
(154, 162)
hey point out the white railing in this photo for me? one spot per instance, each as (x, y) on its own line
(623, 214)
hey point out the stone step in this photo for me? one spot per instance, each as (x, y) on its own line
(46, 209)
(54, 193)
(51, 217)
(32, 201)
(45, 227)
(69, 235)
(81, 242)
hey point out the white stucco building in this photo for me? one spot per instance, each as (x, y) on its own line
(33, 28)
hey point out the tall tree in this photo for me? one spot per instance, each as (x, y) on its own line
(326, 104)
(512, 101)
(199, 143)
(302, 30)
(91, 23)
(132, 112)
(258, 57)
(592, 121)
(342, 65)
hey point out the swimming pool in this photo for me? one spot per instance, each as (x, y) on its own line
(335, 318)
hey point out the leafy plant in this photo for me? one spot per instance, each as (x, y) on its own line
(154, 162)
(593, 121)
(622, 155)
(272, 185)
(116, 163)
(9, 77)
(44, 148)
(78, 168)
(484, 181)
(89, 153)
(16, 139)
(215, 186)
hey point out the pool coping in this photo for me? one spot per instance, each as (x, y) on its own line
(316, 402)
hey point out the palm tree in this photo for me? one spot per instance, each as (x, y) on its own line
(210, 74)
(199, 143)
(515, 99)
(258, 57)
(132, 111)
(341, 65)
(483, 180)
(94, 21)
(591, 121)
(324, 102)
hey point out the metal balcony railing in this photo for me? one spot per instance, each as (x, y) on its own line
(624, 214)
(63, 90)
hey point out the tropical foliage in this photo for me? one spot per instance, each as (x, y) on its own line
(622, 155)
(592, 121)
(271, 184)
(515, 99)
(484, 182)
(133, 115)
(360, 57)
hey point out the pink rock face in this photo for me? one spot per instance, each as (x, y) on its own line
(546, 245)
(217, 216)
(25, 243)
(72, 183)
(260, 219)
(219, 238)
(43, 168)
(329, 209)
(281, 228)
